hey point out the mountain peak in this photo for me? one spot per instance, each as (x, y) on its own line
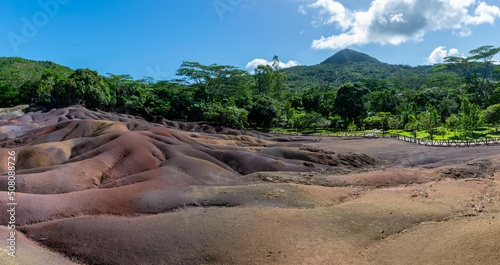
(347, 56)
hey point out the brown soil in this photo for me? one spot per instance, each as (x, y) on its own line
(100, 188)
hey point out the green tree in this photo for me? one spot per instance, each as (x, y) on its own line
(470, 118)
(412, 123)
(335, 120)
(269, 80)
(90, 88)
(316, 100)
(442, 131)
(279, 78)
(140, 97)
(474, 71)
(496, 72)
(381, 119)
(406, 109)
(120, 87)
(406, 79)
(446, 100)
(264, 79)
(429, 120)
(214, 82)
(303, 120)
(394, 123)
(8, 96)
(350, 101)
(352, 127)
(375, 84)
(492, 115)
(231, 116)
(453, 123)
(323, 123)
(263, 113)
(287, 113)
(383, 101)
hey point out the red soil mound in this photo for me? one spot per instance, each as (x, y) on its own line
(101, 167)
(106, 188)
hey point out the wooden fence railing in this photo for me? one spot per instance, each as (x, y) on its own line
(437, 143)
(445, 143)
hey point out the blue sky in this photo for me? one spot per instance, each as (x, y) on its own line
(152, 38)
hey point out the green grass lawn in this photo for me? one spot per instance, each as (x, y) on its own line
(483, 132)
(317, 131)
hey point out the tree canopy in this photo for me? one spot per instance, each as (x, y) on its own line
(355, 92)
(350, 101)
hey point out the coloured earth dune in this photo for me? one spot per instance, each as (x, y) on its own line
(106, 188)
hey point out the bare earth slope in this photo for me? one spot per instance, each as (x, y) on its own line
(102, 188)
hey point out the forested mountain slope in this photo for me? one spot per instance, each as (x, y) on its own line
(347, 66)
(15, 71)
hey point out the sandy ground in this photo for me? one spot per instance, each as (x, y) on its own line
(100, 188)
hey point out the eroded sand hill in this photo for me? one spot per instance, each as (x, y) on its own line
(101, 188)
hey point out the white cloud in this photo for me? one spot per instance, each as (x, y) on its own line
(333, 12)
(484, 13)
(452, 51)
(397, 18)
(439, 53)
(289, 64)
(397, 21)
(256, 62)
(302, 10)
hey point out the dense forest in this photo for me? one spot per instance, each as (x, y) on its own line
(348, 90)
(347, 66)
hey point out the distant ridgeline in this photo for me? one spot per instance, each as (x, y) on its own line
(347, 66)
